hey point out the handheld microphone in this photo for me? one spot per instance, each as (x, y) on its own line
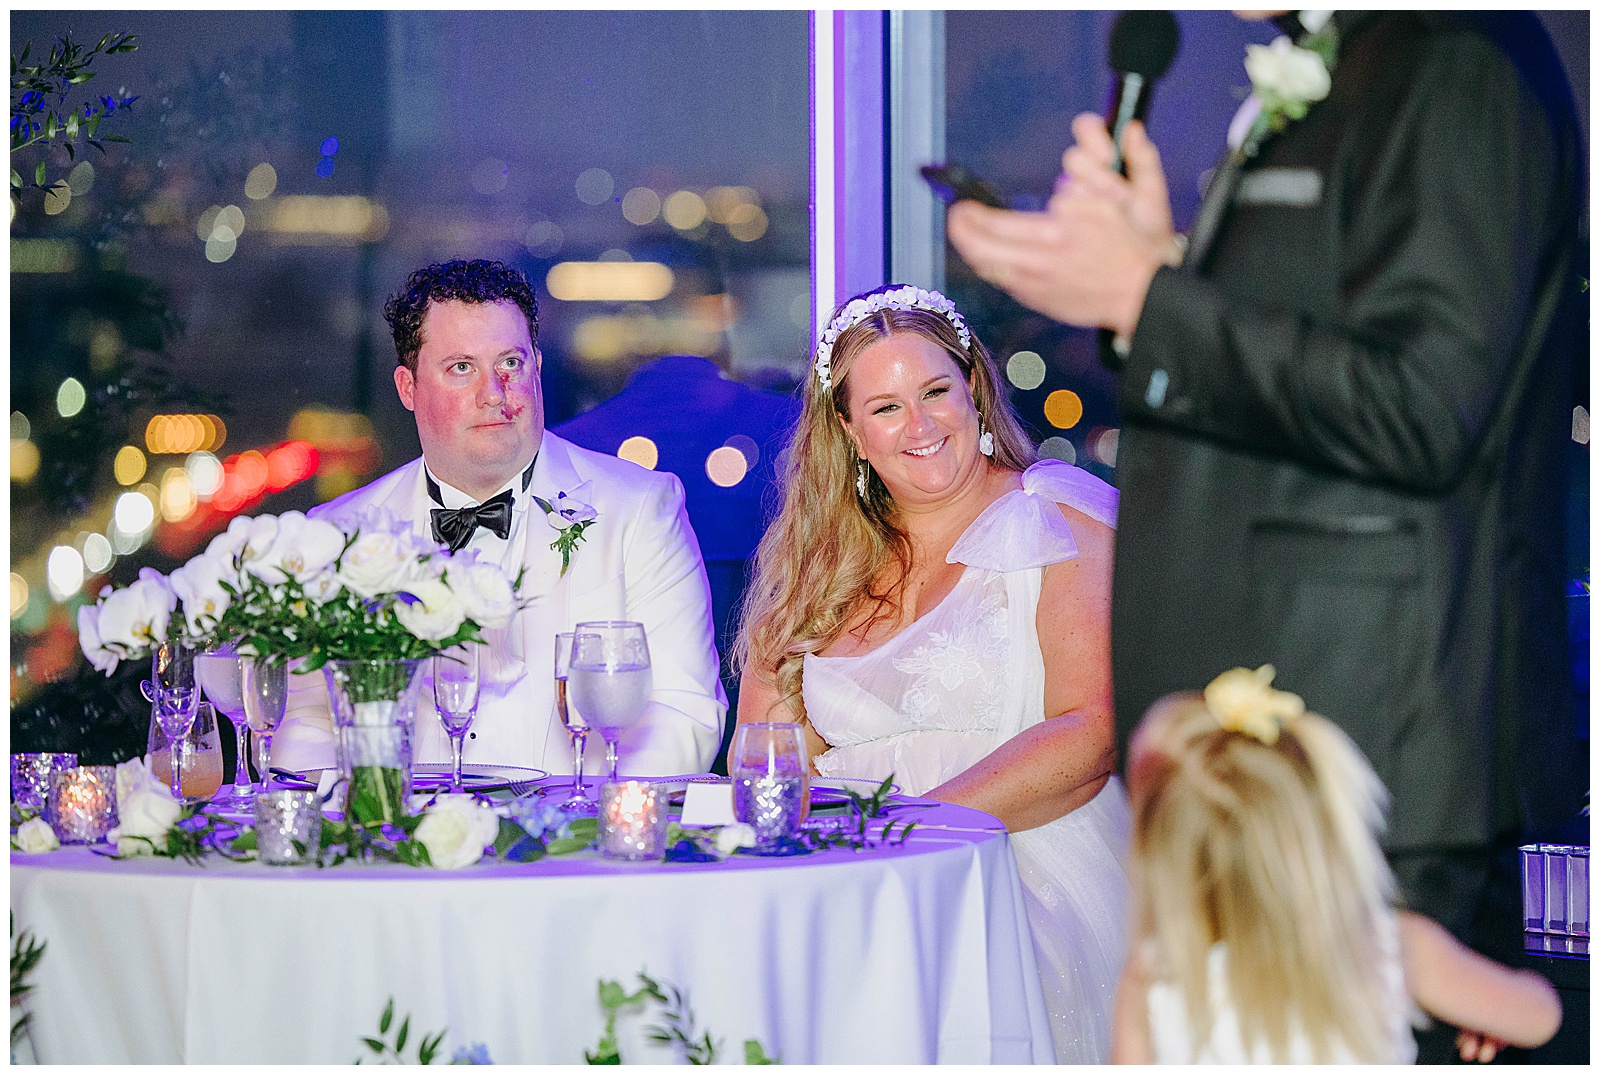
(1143, 44)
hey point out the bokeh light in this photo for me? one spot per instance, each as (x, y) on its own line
(684, 210)
(594, 186)
(81, 179)
(609, 281)
(129, 465)
(543, 239)
(70, 397)
(1102, 445)
(1026, 370)
(180, 434)
(57, 198)
(261, 182)
(1580, 424)
(96, 553)
(747, 222)
(640, 206)
(726, 466)
(641, 450)
(64, 571)
(205, 473)
(1063, 409)
(19, 595)
(330, 146)
(24, 460)
(746, 447)
(134, 512)
(1058, 448)
(178, 499)
(21, 428)
(219, 250)
(722, 201)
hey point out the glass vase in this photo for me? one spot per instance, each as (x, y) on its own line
(374, 716)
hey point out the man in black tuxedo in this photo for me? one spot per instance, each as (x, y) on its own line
(1344, 413)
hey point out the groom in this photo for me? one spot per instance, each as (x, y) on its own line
(466, 334)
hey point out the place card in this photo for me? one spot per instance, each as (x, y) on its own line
(708, 804)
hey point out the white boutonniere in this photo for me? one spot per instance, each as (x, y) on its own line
(570, 514)
(1287, 79)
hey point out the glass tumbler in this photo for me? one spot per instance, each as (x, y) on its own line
(768, 766)
(288, 827)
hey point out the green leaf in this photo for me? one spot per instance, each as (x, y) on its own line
(16, 180)
(81, 77)
(566, 845)
(584, 828)
(375, 1045)
(755, 1054)
(38, 175)
(387, 1017)
(405, 1030)
(509, 835)
(612, 995)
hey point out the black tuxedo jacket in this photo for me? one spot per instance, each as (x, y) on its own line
(1344, 419)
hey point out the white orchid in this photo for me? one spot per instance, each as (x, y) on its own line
(305, 547)
(127, 622)
(198, 585)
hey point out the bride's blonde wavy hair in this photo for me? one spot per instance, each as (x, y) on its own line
(831, 553)
(1269, 848)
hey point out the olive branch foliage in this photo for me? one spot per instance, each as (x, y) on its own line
(37, 120)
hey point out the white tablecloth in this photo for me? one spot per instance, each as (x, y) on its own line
(918, 954)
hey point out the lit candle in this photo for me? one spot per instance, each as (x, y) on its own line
(82, 805)
(632, 823)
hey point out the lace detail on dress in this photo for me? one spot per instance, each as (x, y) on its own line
(971, 648)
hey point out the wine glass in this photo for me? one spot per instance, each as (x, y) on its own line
(767, 764)
(201, 768)
(578, 802)
(266, 693)
(176, 696)
(221, 676)
(610, 678)
(455, 695)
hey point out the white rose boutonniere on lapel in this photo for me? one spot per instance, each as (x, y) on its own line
(569, 514)
(1286, 79)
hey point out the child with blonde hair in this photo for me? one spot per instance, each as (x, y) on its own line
(1264, 926)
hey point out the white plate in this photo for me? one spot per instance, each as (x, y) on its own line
(433, 776)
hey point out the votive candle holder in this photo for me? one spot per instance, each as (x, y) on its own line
(286, 817)
(30, 777)
(82, 804)
(633, 822)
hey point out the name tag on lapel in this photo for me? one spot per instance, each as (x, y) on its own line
(1300, 188)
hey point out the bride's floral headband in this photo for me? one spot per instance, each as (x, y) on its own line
(858, 310)
(1245, 701)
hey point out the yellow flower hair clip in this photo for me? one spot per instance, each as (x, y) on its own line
(1245, 701)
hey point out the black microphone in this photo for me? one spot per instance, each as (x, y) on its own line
(1143, 44)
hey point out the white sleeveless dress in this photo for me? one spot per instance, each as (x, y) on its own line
(967, 676)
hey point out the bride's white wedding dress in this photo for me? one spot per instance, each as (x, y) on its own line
(964, 678)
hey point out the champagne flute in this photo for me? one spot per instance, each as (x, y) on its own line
(578, 802)
(221, 676)
(455, 695)
(176, 696)
(610, 678)
(266, 693)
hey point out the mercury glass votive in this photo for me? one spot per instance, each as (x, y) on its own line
(30, 777)
(286, 817)
(81, 806)
(633, 822)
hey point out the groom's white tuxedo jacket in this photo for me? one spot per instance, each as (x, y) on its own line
(639, 560)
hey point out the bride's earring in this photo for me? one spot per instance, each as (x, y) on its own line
(985, 439)
(861, 478)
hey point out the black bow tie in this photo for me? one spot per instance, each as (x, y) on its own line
(453, 527)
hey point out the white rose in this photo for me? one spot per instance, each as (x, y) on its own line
(484, 591)
(131, 619)
(258, 556)
(198, 585)
(455, 830)
(35, 837)
(1286, 71)
(375, 563)
(433, 613)
(145, 808)
(732, 837)
(101, 658)
(305, 547)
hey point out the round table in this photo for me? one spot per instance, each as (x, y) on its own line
(908, 954)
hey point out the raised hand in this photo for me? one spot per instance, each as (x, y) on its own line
(1142, 196)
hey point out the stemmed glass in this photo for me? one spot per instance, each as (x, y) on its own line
(221, 676)
(455, 695)
(610, 678)
(266, 693)
(175, 696)
(578, 802)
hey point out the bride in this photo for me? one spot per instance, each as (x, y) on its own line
(928, 604)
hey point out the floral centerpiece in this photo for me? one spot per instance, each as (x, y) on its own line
(367, 604)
